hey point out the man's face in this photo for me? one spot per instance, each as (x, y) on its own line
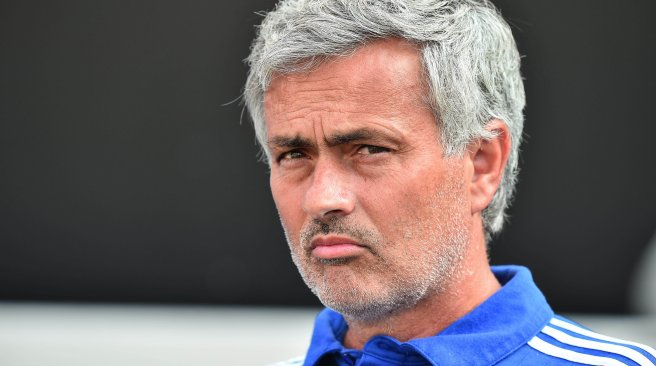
(375, 216)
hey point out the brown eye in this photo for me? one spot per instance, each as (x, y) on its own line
(371, 149)
(291, 155)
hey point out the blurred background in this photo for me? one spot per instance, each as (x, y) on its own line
(135, 219)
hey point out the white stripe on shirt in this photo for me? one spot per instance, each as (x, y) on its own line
(576, 329)
(627, 352)
(555, 351)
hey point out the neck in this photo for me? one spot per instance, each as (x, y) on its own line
(470, 287)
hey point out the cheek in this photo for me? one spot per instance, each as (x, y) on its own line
(288, 202)
(394, 202)
(409, 206)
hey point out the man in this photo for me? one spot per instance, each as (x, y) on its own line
(392, 129)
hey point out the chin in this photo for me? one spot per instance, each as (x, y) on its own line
(358, 302)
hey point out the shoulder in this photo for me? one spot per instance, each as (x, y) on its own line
(563, 342)
(296, 361)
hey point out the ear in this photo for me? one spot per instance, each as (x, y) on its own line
(488, 159)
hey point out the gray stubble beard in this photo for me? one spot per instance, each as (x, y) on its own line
(404, 289)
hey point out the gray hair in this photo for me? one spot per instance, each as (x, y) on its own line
(469, 57)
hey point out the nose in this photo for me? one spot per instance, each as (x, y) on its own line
(330, 193)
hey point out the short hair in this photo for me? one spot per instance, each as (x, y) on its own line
(469, 58)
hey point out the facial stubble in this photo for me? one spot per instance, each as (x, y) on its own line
(374, 286)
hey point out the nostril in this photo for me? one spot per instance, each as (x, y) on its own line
(333, 213)
(326, 206)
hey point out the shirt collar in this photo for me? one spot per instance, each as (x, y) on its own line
(497, 327)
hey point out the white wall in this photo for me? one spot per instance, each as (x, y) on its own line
(34, 334)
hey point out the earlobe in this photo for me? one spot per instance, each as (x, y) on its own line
(488, 160)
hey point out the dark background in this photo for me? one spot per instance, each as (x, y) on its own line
(125, 178)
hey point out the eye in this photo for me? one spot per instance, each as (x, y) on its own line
(371, 149)
(291, 155)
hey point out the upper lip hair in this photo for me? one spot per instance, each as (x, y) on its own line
(332, 240)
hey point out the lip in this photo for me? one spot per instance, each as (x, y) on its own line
(333, 247)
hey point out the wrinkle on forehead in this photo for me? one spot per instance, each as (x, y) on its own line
(357, 81)
(302, 98)
(378, 87)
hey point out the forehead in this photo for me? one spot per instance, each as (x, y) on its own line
(382, 78)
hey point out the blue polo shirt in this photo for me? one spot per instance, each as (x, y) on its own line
(515, 326)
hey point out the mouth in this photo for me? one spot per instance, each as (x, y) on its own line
(336, 247)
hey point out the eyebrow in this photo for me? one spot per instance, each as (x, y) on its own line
(340, 138)
(296, 142)
(351, 136)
